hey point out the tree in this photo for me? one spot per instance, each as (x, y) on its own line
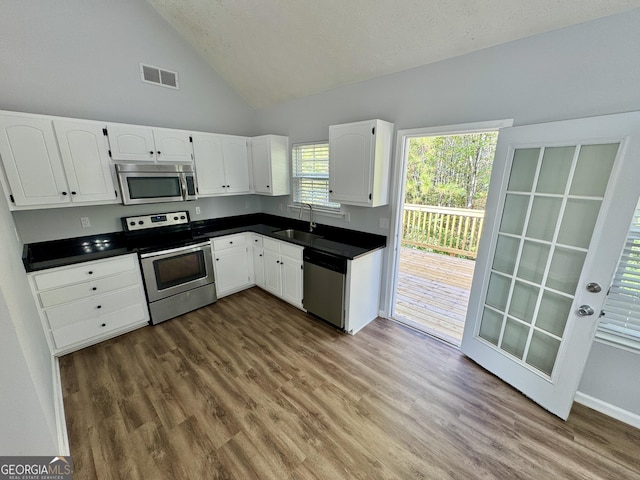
(451, 171)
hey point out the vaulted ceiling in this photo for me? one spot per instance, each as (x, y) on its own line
(271, 51)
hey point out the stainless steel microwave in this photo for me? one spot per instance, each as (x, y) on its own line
(156, 183)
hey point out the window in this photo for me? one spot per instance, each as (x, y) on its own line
(311, 175)
(620, 322)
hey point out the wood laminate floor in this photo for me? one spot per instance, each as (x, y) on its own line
(250, 387)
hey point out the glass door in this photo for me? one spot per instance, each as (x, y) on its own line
(560, 194)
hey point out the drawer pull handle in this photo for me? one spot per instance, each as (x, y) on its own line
(103, 324)
(99, 307)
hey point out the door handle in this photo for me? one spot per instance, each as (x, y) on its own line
(585, 311)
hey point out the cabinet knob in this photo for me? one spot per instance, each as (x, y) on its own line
(260, 255)
(90, 272)
(73, 193)
(159, 152)
(94, 288)
(228, 186)
(103, 325)
(150, 152)
(267, 186)
(64, 193)
(330, 191)
(217, 259)
(99, 307)
(230, 243)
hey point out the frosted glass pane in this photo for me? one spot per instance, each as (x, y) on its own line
(544, 215)
(523, 169)
(543, 352)
(533, 261)
(566, 266)
(553, 313)
(506, 253)
(554, 172)
(515, 338)
(514, 214)
(498, 291)
(578, 221)
(523, 301)
(593, 169)
(490, 326)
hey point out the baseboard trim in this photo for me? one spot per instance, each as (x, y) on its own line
(598, 405)
(61, 423)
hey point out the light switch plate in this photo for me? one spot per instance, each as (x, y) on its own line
(198, 211)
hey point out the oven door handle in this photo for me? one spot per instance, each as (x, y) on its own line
(198, 246)
(183, 185)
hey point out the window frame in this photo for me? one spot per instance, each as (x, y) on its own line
(336, 208)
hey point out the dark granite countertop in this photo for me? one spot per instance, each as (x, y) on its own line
(342, 242)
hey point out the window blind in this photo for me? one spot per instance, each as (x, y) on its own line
(311, 175)
(621, 312)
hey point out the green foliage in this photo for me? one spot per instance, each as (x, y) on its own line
(450, 171)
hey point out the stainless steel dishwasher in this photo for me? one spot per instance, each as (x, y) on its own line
(324, 284)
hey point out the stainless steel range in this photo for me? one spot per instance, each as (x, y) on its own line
(176, 266)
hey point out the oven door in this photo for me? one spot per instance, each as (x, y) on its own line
(177, 270)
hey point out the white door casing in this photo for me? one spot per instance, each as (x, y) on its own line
(549, 379)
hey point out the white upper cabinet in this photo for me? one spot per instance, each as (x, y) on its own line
(270, 160)
(172, 146)
(137, 143)
(86, 160)
(359, 163)
(222, 164)
(31, 161)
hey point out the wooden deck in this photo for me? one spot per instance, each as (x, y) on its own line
(433, 292)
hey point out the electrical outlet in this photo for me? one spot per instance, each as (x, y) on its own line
(85, 222)
(198, 211)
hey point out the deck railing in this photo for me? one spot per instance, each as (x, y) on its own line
(451, 230)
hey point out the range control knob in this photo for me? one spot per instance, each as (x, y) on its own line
(182, 217)
(175, 218)
(132, 223)
(140, 222)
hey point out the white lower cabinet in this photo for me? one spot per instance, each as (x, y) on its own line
(86, 303)
(283, 270)
(232, 266)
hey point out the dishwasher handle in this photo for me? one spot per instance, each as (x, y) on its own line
(325, 260)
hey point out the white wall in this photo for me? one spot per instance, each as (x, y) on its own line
(79, 58)
(27, 415)
(585, 70)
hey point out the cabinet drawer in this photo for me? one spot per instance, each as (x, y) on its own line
(62, 276)
(97, 327)
(229, 241)
(292, 251)
(256, 240)
(270, 244)
(94, 307)
(91, 288)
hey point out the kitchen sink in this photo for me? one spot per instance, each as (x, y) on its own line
(297, 235)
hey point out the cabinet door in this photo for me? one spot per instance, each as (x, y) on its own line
(292, 280)
(261, 165)
(231, 270)
(258, 266)
(350, 162)
(86, 160)
(172, 146)
(209, 159)
(236, 164)
(272, 273)
(31, 161)
(131, 143)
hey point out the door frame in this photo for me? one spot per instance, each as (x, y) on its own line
(398, 186)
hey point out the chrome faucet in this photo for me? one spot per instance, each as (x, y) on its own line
(312, 225)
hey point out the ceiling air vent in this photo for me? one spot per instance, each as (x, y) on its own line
(159, 76)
